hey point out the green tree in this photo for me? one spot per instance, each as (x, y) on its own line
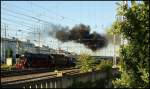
(134, 55)
(110, 35)
(9, 52)
(86, 63)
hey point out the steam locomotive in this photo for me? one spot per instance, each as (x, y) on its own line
(31, 60)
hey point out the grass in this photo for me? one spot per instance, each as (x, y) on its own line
(6, 67)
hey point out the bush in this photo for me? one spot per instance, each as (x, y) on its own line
(86, 63)
(124, 82)
(104, 65)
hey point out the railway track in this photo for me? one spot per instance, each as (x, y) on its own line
(38, 76)
(29, 71)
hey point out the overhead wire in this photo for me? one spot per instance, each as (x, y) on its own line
(18, 23)
(23, 9)
(21, 20)
(48, 10)
(27, 16)
(18, 17)
(29, 32)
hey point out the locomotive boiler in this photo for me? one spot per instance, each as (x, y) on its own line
(31, 60)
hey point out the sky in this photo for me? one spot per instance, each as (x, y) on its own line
(18, 15)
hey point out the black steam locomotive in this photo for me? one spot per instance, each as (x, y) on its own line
(31, 60)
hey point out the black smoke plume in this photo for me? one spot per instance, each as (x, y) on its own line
(81, 34)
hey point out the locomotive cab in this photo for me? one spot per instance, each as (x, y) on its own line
(21, 62)
(30, 60)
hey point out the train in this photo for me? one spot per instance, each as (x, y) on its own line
(32, 60)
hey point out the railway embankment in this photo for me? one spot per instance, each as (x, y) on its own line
(68, 78)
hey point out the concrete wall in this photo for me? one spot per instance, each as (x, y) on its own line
(63, 82)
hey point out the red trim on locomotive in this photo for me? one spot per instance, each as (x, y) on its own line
(43, 61)
(21, 63)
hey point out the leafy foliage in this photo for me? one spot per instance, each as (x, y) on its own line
(104, 65)
(9, 52)
(86, 63)
(124, 82)
(110, 37)
(134, 55)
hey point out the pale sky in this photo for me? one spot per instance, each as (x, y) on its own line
(19, 15)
